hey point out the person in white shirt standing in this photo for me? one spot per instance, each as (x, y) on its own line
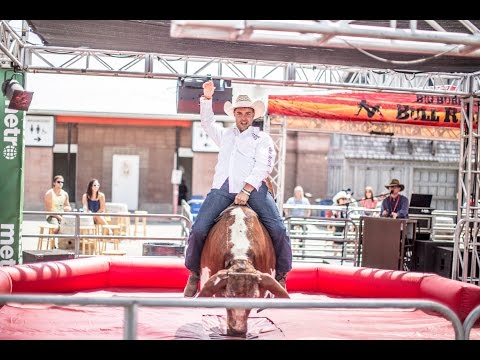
(245, 159)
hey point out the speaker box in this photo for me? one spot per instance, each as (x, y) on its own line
(422, 236)
(189, 91)
(443, 261)
(424, 254)
(34, 256)
(163, 249)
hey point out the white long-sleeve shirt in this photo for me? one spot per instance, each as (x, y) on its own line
(244, 157)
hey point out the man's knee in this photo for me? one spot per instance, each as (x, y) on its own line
(199, 232)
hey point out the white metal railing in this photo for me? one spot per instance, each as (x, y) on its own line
(470, 320)
(315, 239)
(131, 305)
(183, 221)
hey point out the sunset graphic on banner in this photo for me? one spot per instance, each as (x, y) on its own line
(412, 109)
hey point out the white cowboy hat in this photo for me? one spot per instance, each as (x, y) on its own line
(244, 101)
(340, 195)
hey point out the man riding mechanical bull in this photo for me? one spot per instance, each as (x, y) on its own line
(245, 160)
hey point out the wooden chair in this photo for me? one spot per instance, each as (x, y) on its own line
(90, 244)
(142, 220)
(108, 230)
(47, 229)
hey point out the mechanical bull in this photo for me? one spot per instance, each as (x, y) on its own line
(238, 261)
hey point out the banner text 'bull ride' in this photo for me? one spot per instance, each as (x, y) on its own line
(412, 109)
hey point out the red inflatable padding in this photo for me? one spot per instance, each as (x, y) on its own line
(5, 283)
(461, 297)
(168, 273)
(355, 282)
(60, 276)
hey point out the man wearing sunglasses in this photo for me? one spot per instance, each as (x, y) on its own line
(56, 200)
(395, 206)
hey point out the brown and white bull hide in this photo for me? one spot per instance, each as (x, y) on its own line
(238, 261)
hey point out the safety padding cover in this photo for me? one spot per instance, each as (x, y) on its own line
(152, 272)
(60, 276)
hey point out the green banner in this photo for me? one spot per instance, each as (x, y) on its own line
(12, 154)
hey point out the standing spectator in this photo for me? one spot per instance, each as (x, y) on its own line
(94, 201)
(395, 206)
(368, 201)
(342, 198)
(298, 198)
(56, 200)
(182, 192)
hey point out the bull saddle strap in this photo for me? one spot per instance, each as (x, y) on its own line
(221, 214)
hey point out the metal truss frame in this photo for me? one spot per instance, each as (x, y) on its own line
(466, 259)
(63, 60)
(277, 128)
(12, 46)
(340, 34)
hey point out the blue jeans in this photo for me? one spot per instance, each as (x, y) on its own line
(262, 203)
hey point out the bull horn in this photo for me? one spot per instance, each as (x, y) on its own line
(215, 284)
(269, 283)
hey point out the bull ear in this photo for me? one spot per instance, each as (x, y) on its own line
(269, 283)
(216, 283)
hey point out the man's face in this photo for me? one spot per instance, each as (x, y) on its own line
(243, 118)
(59, 183)
(395, 188)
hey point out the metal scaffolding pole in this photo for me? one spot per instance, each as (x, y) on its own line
(465, 251)
(278, 131)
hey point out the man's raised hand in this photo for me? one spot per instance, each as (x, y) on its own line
(208, 89)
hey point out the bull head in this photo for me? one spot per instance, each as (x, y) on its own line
(241, 285)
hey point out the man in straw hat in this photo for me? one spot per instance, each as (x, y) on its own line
(395, 205)
(245, 160)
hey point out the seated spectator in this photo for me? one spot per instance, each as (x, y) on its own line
(56, 200)
(94, 201)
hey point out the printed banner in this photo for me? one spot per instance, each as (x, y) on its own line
(12, 154)
(413, 109)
